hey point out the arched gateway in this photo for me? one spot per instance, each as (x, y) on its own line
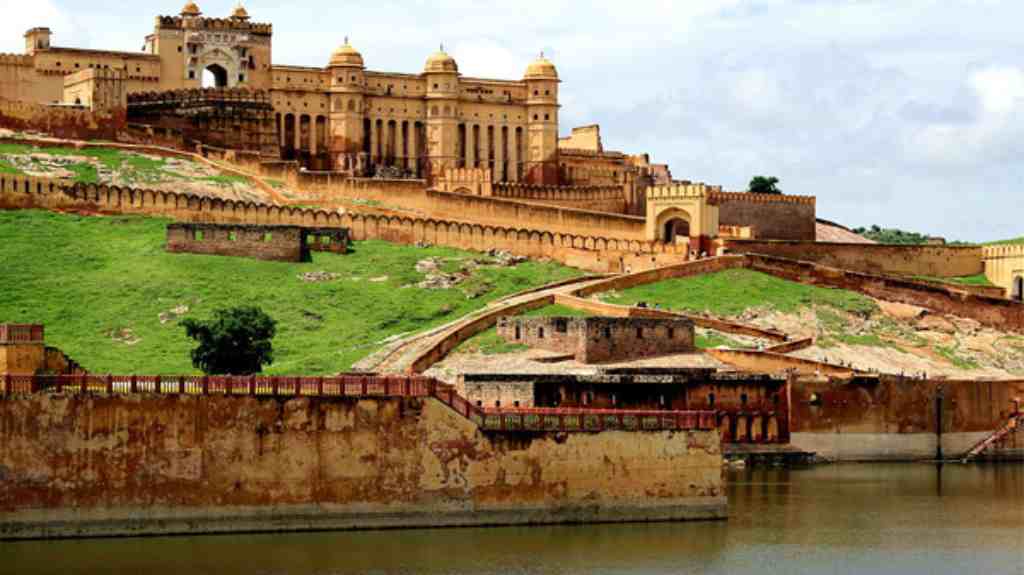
(681, 213)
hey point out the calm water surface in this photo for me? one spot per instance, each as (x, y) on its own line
(834, 519)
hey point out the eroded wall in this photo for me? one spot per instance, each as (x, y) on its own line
(145, 464)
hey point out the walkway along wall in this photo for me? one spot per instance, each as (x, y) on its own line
(600, 253)
(234, 459)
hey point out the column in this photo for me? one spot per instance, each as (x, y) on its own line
(471, 131)
(500, 137)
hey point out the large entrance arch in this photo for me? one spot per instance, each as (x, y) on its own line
(1018, 288)
(215, 76)
(673, 225)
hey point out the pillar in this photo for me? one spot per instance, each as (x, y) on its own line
(501, 141)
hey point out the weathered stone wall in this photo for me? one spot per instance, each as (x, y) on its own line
(776, 217)
(1004, 267)
(601, 339)
(63, 122)
(497, 394)
(87, 465)
(595, 198)
(931, 261)
(277, 243)
(898, 419)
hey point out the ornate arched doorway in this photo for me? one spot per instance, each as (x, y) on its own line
(674, 226)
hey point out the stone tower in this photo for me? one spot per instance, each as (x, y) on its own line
(36, 40)
(442, 105)
(348, 82)
(541, 161)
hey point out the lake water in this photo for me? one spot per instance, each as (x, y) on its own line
(831, 519)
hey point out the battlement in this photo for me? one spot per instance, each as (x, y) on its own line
(15, 60)
(718, 195)
(547, 192)
(682, 190)
(214, 24)
(1003, 251)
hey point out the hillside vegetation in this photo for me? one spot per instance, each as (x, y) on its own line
(112, 298)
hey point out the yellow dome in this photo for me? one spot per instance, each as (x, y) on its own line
(240, 13)
(190, 9)
(440, 61)
(541, 68)
(346, 55)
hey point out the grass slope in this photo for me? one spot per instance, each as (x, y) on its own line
(731, 292)
(88, 278)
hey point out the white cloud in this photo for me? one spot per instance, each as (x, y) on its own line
(19, 17)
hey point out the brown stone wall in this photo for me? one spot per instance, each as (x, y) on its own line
(70, 123)
(601, 339)
(277, 243)
(896, 418)
(595, 198)
(771, 217)
(932, 261)
(147, 464)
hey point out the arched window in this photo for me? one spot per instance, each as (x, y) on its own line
(351, 105)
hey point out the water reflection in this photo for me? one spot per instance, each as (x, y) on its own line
(833, 519)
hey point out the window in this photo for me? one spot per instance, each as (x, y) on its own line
(58, 64)
(561, 326)
(540, 333)
(671, 333)
(547, 92)
(497, 403)
(435, 86)
(743, 399)
(536, 117)
(516, 403)
(536, 92)
(198, 235)
(268, 236)
(639, 333)
(241, 77)
(479, 403)
(519, 333)
(179, 49)
(191, 74)
(607, 332)
(547, 116)
(232, 236)
(711, 400)
(325, 240)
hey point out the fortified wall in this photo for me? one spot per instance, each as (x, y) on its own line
(600, 252)
(597, 198)
(928, 261)
(774, 216)
(218, 455)
(69, 122)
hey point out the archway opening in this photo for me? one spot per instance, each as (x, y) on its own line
(676, 230)
(1018, 288)
(215, 76)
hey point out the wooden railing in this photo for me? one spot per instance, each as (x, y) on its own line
(368, 386)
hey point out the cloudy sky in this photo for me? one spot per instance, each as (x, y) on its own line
(905, 113)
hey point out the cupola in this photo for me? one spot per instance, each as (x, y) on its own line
(440, 62)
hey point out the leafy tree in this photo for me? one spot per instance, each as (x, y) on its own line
(892, 236)
(764, 185)
(237, 341)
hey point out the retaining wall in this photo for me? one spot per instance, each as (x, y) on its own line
(778, 217)
(104, 465)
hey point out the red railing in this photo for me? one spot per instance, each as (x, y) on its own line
(504, 420)
(19, 333)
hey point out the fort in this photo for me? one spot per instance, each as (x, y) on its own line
(619, 416)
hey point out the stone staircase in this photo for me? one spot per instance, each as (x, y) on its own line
(1011, 426)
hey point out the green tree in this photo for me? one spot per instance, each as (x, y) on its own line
(764, 185)
(237, 341)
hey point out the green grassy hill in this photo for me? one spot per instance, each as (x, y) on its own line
(107, 291)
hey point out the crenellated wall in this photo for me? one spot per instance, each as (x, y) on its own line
(599, 250)
(597, 198)
(771, 216)
(1004, 267)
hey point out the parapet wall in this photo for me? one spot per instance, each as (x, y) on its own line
(601, 339)
(146, 464)
(929, 261)
(600, 251)
(771, 216)
(606, 198)
(1004, 267)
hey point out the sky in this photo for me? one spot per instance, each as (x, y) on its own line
(900, 113)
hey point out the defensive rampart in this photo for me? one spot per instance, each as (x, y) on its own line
(1004, 267)
(603, 252)
(781, 217)
(930, 261)
(606, 198)
(261, 454)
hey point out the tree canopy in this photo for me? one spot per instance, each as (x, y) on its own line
(764, 185)
(236, 341)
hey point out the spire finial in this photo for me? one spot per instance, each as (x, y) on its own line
(346, 39)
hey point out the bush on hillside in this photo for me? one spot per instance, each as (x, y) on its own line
(237, 341)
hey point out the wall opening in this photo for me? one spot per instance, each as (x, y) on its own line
(1018, 288)
(215, 76)
(676, 228)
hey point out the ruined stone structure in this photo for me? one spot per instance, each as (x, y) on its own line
(276, 243)
(233, 118)
(600, 339)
